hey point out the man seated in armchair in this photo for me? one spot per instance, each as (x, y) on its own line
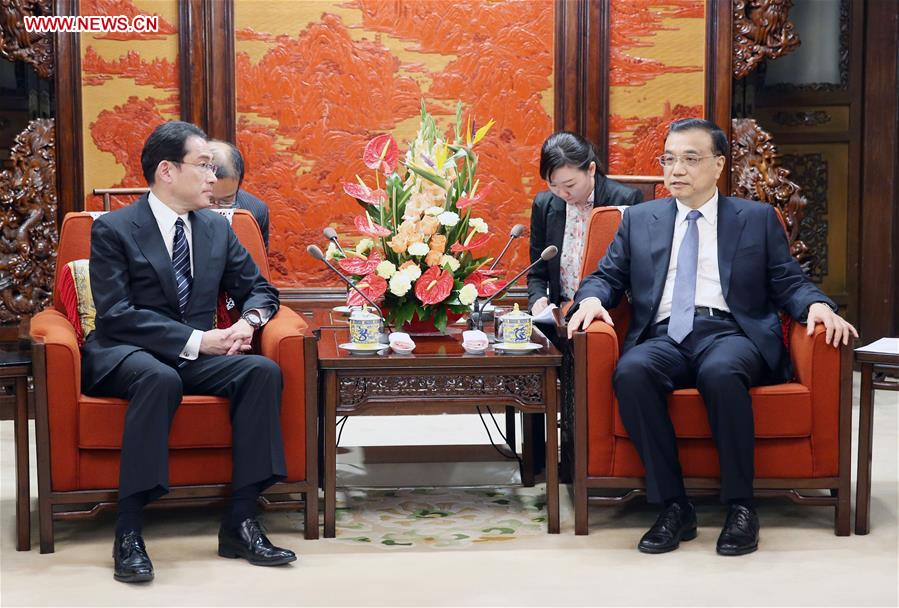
(156, 269)
(708, 274)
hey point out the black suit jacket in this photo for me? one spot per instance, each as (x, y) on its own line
(548, 216)
(245, 200)
(758, 275)
(133, 286)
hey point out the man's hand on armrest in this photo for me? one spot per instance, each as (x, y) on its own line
(837, 328)
(588, 310)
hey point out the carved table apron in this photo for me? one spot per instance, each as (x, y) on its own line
(438, 378)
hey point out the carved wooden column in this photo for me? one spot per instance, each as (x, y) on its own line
(28, 191)
(756, 174)
(28, 237)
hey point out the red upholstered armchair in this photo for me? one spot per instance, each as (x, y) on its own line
(803, 428)
(79, 437)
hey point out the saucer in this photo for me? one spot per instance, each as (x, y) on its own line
(344, 310)
(517, 348)
(362, 349)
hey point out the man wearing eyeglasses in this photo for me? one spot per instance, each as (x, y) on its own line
(156, 269)
(707, 275)
(227, 192)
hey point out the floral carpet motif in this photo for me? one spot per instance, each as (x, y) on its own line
(440, 517)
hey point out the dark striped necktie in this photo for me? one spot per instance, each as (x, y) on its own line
(181, 265)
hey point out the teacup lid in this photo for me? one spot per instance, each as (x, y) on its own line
(516, 314)
(362, 313)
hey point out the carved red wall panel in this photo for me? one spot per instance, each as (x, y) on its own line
(316, 80)
(657, 59)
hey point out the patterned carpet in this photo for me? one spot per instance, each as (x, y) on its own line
(440, 517)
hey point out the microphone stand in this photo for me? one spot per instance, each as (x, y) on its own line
(315, 252)
(547, 254)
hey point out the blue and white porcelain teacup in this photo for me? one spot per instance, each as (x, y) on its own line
(365, 327)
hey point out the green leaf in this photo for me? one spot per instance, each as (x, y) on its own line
(440, 319)
(429, 175)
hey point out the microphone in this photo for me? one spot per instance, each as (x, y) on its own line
(546, 255)
(331, 235)
(316, 252)
(516, 232)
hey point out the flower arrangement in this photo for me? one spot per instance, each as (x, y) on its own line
(419, 229)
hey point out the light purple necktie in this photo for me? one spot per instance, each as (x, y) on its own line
(683, 302)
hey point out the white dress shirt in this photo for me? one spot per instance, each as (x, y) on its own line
(165, 219)
(708, 279)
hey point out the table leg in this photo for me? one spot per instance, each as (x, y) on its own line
(527, 450)
(329, 485)
(23, 486)
(510, 428)
(552, 453)
(865, 446)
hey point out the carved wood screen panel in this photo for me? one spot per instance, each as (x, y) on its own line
(129, 85)
(28, 236)
(657, 61)
(315, 80)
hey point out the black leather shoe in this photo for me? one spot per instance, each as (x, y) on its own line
(132, 564)
(740, 534)
(250, 543)
(673, 525)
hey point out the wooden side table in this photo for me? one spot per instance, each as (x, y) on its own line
(881, 352)
(15, 364)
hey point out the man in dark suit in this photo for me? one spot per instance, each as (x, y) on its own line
(707, 275)
(226, 192)
(156, 268)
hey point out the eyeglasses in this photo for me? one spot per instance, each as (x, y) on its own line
(690, 160)
(202, 165)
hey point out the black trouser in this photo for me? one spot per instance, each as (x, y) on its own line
(154, 390)
(722, 363)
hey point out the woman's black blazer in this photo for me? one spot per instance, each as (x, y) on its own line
(548, 228)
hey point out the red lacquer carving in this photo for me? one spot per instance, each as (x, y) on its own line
(125, 7)
(322, 95)
(159, 73)
(635, 142)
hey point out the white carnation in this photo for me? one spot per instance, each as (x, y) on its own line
(450, 263)
(435, 211)
(478, 224)
(386, 269)
(413, 271)
(468, 294)
(448, 218)
(400, 284)
(418, 249)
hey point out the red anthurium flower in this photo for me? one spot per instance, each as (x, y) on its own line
(473, 243)
(371, 285)
(369, 228)
(365, 194)
(464, 201)
(381, 153)
(487, 282)
(361, 265)
(434, 286)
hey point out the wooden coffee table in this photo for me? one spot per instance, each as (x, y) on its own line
(438, 378)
